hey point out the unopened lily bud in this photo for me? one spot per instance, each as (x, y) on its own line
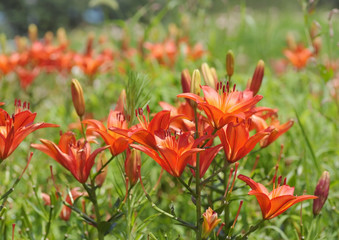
(62, 36)
(290, 40)
(255, 83)
(196, 82)
(185, 81)
(214, 74)
(208, 77)
(99, 180)
(33, 32)
(121, 103)
(132, 164)
(230, 63)
(89, 46)
(78, 97)
(3, 41)
(211, 220)
(321, 191)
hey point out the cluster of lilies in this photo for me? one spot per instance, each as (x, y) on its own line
(215, 122)
(36, 56)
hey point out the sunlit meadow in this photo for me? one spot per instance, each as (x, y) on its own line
(182, 121)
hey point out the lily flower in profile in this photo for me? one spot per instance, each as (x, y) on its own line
(14, 129)
(171, 152)
(276, 202)
(223, 106)
(236, 140)
(259, 123)
(73, 155)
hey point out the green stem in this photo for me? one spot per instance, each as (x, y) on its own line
(102, 167)
(226, 208)
(186, 186)
(198, 198)
(252, 229)
(184, 223)
(49, 221)
(83, 129)
(197, 183)
(213, 175)
(93, 197)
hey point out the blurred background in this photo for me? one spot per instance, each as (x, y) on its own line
(49, 15)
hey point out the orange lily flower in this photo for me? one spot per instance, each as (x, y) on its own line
(299, 56)
(205, 159)
(276, 202)
(224, 107)
(211, 220)
(116, 119)
(175, 151)
(13, 130)
(236, 140)
(144, 133)
(258, 122)
(73, 155)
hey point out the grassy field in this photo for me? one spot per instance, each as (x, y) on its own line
(305, 95)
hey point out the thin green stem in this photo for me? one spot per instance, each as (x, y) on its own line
(252, 229)
(226, 203)
(186, 186)
(49, 221)
(182, 222)
(212, 176)
(101, 169)
(83, 129)
(93, 198)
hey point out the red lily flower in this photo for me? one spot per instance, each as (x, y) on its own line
(224, 107)
(236, 140)
(73, 155)
(13, 130)
(175, 151)
(116, 119)
(27, 76)
(276, 202)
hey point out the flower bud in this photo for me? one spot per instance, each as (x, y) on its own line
(33, 32)
(214, 74)
(99, 180)
(62, 36)
(3, 42)
(185, 81)
(132, 164)
(255, 83)
(211, 220)
(78, 97)
(230, 63)
(196, 81)
(208, 76)
(321, 191)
